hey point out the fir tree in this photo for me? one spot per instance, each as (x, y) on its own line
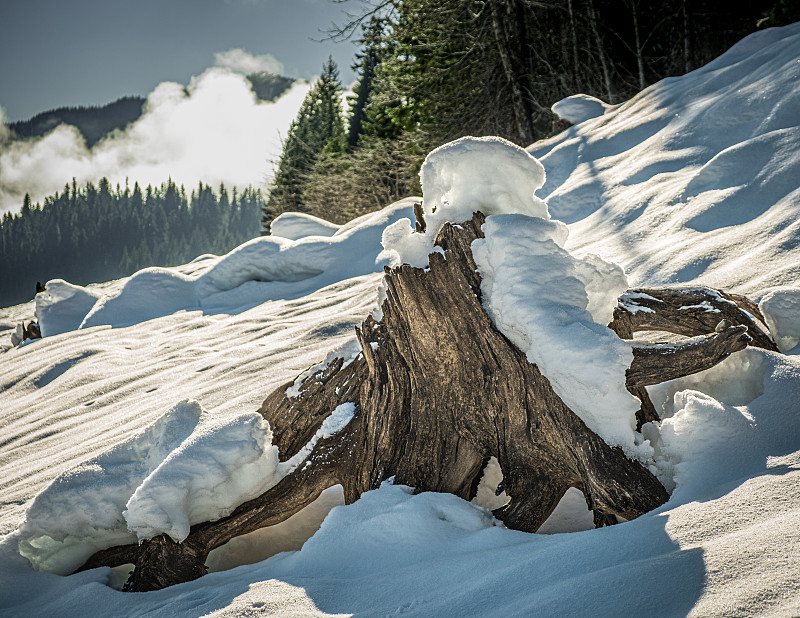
(93, 233)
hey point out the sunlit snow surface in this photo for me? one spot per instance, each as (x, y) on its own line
(694, 180)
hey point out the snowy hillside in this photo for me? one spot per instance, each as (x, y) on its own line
(136, 412)
(696, 178)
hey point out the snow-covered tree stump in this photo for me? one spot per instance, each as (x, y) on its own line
(435, 392)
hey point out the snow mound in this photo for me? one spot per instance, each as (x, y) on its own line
(694, 180)
(262, 269)
(487, 174)
(781, 309)
(82, 510)
(387, 516)
(18, 336)
(148, 294)
(204, 479)
(62, 307)
(720, 425)
(579, 108)
(182, 470)
(297, 225)
(268, 259)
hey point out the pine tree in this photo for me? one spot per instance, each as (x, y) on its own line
(93, 233)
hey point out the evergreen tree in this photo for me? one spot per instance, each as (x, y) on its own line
(94, 233)
(376, 47)
(430, 72)
(318, 127)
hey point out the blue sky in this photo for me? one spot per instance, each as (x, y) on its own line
(60, 53)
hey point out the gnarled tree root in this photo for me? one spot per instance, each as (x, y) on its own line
(690, 312)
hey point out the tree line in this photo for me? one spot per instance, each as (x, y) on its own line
(432, 71)
(95, 233)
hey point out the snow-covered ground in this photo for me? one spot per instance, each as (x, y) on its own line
(135, 414)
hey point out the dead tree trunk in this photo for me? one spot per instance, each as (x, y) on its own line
(437, 390)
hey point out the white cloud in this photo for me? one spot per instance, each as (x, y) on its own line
(212, 131)
(240, 61)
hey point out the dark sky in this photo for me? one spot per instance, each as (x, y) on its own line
(87, 52)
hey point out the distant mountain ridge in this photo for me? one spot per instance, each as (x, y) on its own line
(96, 122)
(269, 86)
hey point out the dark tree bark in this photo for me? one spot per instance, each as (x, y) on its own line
(690, 312)
(508, 25)
(436, 390)
(601, 53)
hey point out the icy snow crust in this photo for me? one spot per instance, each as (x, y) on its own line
(728, 446)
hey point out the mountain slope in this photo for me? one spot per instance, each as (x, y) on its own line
(94, 123)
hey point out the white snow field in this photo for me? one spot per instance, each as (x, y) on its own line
(135, 414)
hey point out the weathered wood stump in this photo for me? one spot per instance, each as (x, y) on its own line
(437, 391)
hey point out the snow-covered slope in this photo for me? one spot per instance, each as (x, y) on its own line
(695, 180)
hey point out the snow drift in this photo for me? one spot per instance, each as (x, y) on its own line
(262, 269)
(579, 108)
(297, 225)
(695, 178)
(82, 510)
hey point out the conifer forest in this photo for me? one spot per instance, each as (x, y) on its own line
(427, 73)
